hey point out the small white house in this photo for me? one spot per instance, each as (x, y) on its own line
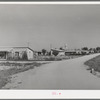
(21, 53)
(60, 52)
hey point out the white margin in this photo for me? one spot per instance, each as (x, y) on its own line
(43, 2)
(47, 94)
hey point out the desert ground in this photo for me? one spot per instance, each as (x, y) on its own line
(66, 75)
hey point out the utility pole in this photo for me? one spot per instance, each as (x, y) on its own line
(66, 47)
(50, 46)
(28, 44)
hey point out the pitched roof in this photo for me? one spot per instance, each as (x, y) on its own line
(58, 50)
(10, 48)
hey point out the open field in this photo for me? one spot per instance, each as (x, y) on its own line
(66, 74)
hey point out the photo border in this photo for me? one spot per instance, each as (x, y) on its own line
(48, 94)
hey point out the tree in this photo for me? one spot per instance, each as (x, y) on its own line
(98, 49)
(91, 50)
(94, 49)
(55, 53)
(85, 48)
(44, 51)
(49, 53)
(24, 56)
(61, 48)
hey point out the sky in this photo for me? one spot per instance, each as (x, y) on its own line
(45, 25)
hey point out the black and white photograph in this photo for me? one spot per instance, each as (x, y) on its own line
(49, 47)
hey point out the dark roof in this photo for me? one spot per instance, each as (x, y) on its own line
(58, 50)
(30, 49)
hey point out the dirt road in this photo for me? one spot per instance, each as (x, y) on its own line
(67, 74)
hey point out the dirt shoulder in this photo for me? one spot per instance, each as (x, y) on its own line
(11, 68)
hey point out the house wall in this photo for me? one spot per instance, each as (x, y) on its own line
(18, 52)
(30, 54)
(61, 54)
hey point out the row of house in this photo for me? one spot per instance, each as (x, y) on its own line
(69, 52)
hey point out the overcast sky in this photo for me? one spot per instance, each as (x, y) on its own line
(42, 25)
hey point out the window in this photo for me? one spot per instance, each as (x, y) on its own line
(16, 54)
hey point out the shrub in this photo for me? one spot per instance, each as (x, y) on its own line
(50, 59)
(24, 56)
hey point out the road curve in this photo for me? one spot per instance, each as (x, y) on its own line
(67, 75)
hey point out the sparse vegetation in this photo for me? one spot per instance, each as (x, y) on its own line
(94, 63)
